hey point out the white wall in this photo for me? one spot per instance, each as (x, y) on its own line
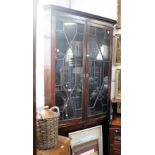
(64, 3)
(40, 58)
(104, 8)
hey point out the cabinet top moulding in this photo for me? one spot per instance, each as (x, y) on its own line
(80, 13)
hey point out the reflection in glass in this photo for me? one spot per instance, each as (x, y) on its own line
(98, 70)
(69, 68)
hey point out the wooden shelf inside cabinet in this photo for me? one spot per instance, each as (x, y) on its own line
(116, 121)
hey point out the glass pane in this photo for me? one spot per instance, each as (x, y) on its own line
(69, 68)
(98, 70)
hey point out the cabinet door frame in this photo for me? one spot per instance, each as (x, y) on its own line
(50, 73)
(102, 25)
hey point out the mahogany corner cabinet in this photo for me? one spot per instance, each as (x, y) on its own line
(77, 66)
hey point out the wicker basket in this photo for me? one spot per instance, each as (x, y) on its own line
(47, 130)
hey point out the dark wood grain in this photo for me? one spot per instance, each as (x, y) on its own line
(86, 71)
(85, 81)
(114, 144)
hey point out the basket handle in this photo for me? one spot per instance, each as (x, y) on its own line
(57, 108)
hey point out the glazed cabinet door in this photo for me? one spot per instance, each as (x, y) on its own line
(77, 66)
(98, 55)
(69, 67)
